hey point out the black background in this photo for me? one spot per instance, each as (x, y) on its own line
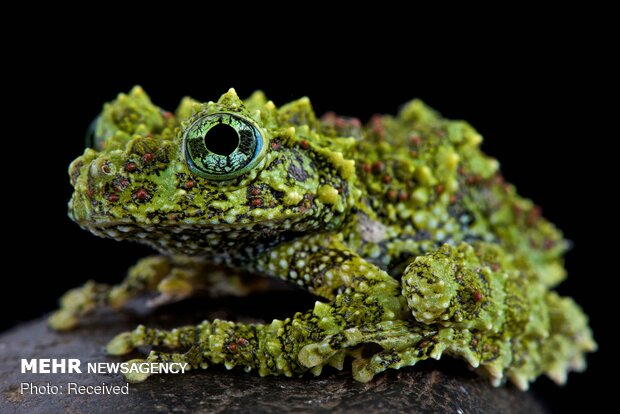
(538, 101)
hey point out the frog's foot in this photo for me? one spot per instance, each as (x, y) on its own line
(78, 302)
(174, 278)
(145, 275)
(161, 362)
(399, 338)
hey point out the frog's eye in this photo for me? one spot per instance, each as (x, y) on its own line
(223, 146)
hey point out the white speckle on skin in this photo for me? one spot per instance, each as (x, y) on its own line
(370, 230)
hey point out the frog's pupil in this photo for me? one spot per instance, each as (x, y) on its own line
(222, 139)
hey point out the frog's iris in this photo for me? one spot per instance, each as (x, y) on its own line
(222, 146)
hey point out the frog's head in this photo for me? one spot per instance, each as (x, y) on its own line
(211, 177)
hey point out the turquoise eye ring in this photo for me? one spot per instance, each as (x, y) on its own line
(223, 145)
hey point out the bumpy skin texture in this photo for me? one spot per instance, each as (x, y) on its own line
(403, 227)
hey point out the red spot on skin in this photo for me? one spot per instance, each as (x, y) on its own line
(477, 296)
(403, 196)
(453, 199)
(189, 184)
(149, 135)
(376, 123)
(232, 347)
(534, 215)
(387, 178)
(168, 115)
(366, 167)
(304, 144)
(391, 195)
(415, 140)
(242, 342)
(131, 167)
(378, 166)
(440, 188)
(112, 198)
(148, 158)
(355, 122)
(275, 146)
(548, 244)
(255, 191)
(473, 179)
(256, 202)
(329, 117)
(142, 194)
(122, 184)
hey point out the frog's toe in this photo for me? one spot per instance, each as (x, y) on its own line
(121, 344)
(137, 371)
(62, 320)
(314, 355)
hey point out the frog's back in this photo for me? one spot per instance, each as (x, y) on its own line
(425, 182)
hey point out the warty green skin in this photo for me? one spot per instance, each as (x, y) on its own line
(406, 231)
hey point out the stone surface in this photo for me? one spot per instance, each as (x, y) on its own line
(428, 387)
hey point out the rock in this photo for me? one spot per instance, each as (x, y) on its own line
(428, 387)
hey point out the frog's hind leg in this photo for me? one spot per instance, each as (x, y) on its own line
(174, 278)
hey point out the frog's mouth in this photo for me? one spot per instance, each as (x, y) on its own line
(174, 234)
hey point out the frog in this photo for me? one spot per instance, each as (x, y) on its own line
(407, 233)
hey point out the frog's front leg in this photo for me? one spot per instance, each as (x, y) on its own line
(173, 277)
(326, 267)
